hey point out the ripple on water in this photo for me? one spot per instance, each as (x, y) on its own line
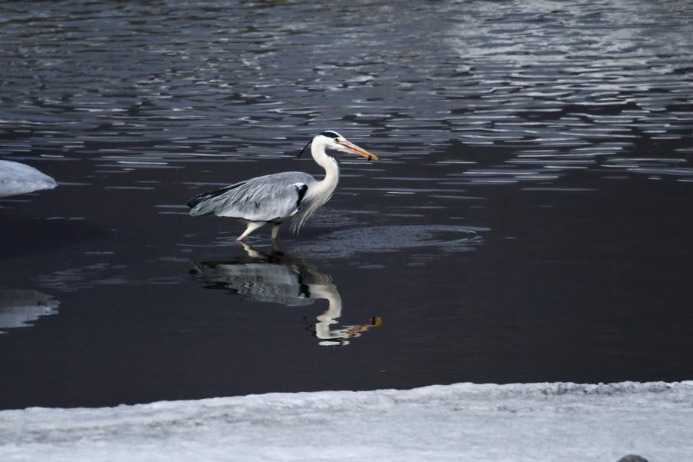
(348, 242)
(531, 75)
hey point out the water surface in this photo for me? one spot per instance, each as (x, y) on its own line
(529, 219)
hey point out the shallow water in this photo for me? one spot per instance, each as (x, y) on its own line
(529, 219)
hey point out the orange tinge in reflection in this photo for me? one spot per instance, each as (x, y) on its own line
(278, 277)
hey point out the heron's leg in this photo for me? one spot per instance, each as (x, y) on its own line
(275, 230)
(252, 226)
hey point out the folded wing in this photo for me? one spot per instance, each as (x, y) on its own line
(270, 198)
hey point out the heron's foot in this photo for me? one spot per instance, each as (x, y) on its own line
(252, 226)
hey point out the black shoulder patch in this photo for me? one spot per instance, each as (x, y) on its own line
(301, 191)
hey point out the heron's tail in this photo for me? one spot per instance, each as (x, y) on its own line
(203, 198)
(192, 203)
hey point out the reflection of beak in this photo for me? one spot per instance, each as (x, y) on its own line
(357, 150)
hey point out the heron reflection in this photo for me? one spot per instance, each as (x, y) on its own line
(279, 277)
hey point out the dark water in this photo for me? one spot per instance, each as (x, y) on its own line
(530, 219)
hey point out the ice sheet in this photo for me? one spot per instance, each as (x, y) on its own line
(480, 422)
(16, 178)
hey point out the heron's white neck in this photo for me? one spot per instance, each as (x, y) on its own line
(324, 189)
(320, 192)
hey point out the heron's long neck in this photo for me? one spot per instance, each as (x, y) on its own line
(320, 192)
(325, 187)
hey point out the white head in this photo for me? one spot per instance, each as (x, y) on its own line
(332, 140)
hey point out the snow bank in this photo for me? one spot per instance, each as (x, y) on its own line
(16, 178)
(524, 422)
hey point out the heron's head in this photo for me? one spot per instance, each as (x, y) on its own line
(333, 140)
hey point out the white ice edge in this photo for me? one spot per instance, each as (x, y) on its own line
(476, 422)
(17, 178)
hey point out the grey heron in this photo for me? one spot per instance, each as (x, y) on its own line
(280, 196)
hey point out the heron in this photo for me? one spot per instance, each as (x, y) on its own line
(277, 197)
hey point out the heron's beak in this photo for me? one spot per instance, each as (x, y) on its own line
(357, 150)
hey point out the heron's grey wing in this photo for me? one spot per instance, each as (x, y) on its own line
(265, 198)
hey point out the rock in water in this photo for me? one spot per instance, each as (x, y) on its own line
(632, 458)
